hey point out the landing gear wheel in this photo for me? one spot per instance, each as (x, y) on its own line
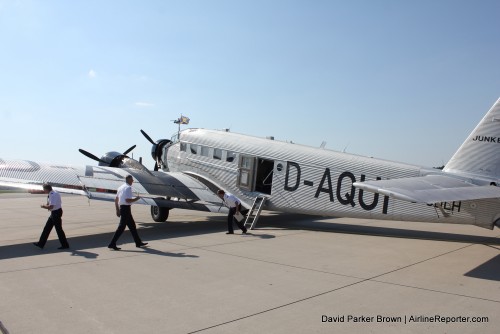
(159, 214)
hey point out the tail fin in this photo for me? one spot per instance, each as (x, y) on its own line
(480, 153)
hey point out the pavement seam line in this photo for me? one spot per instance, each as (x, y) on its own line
(372, 279)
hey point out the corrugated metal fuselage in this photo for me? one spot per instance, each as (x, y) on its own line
(302, 179)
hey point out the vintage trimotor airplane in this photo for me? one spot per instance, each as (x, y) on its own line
(279, 176)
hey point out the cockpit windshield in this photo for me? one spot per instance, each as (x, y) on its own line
(131, 163)
(175, 138)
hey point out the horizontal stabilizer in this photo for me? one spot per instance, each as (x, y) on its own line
(429, 189)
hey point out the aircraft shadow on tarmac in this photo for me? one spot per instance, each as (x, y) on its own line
(150, 232)
(309, 223)
(488, 270)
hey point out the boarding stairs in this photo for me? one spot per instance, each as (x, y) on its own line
(254, 213)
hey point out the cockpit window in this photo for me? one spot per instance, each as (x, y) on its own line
(183, 147)
(194, 148)
(175, 138)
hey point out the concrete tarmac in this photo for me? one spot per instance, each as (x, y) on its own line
(294, 274)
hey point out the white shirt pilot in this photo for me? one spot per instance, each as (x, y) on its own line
(54, 198)
(231, 200)
(124, 192)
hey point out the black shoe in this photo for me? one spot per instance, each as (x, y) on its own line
(245, 231)
(229, 232)
(114, 247)
(142, 244)
(63, 247)
(36, 244)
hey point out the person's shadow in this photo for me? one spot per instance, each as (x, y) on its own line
(87, 255)
(153, 251)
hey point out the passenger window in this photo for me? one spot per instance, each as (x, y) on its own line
(217, 154)
(204, 151)
(230, 156)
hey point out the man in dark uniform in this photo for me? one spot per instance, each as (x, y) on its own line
(54, 205)
(123, 201)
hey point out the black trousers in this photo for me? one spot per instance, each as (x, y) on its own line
(230, 218)
(126, 220)
(55, 220)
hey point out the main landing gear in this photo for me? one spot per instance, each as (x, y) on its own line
(159, 214)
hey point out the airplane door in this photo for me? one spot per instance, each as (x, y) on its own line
(255, 174)
(246, 172)
(264, 176)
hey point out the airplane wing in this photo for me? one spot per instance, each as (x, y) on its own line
(429, 189)
(172, 190)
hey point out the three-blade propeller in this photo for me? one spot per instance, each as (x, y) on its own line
(111, 163)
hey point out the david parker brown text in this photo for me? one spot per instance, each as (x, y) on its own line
(406, 319)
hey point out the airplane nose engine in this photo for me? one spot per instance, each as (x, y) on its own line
(156, 150)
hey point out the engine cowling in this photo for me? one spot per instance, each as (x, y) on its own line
(112, 159)
(116, 159)
(156, 151)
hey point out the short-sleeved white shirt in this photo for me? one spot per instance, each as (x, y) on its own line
(231, 200)
(54, 199)
(124, 192)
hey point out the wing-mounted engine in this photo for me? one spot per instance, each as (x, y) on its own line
(116, 159)
(156, 151)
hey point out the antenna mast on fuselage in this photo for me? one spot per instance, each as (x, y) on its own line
(179, 121)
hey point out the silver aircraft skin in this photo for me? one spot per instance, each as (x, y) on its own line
(291, 177)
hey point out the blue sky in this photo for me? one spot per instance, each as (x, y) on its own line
(398, 80)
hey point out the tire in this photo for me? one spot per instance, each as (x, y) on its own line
(159, 214)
